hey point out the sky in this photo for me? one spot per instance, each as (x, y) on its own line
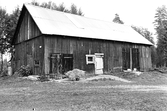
(132, 12)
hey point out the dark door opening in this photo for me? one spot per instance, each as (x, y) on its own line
(135, 58)
(67, 62)
(56, 63)
(61, 63)
(126, 58)
(130, 58)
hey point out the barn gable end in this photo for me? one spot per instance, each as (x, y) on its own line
(26, 28)
(28, 43)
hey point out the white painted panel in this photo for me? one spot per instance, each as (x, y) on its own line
(98, 65)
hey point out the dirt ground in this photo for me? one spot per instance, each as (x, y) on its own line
(147, 92)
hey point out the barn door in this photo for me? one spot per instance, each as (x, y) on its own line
(126, 58)
(135, 58)
(56, 63)
(130, 58)
(99, 63)
(61, 63)
(30, 63)
(67, 62)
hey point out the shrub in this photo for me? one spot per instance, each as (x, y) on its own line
(4, 73)
(24, 71)
(75, 74)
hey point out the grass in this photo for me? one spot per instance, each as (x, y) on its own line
(18, 94)
(152, 78)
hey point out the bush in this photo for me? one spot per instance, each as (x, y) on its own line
(24, 71)
(4, 73)
(75, 74)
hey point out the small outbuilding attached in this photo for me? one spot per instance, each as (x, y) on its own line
(56, 42)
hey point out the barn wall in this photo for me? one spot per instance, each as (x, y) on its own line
(145, 58)
(79, 47)
(28, 29)
(27, 42)
(29, 52)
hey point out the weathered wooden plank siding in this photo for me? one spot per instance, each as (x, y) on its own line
(29, 51)
(28, 29)
(146, 58)
(26, 53)
(27, 42)
(79, 47)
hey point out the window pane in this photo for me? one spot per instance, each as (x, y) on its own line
(90, 58)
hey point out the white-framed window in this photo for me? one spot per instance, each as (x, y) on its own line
(90, 59)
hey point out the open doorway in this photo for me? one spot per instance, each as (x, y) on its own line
(130, 58)
(61, 63)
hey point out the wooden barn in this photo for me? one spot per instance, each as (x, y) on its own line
(55, 42)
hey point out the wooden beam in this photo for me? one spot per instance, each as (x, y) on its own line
(131, 58)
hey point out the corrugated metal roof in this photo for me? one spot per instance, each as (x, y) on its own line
(60, 23)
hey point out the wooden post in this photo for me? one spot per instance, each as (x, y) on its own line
(131, 58)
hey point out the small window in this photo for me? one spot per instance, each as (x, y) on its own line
(90, 59)
(36, 62)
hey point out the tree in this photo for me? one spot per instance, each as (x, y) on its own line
(3, 17)
(34, 2)
(61, 7)
(3, 27)
(117, 19)
(80, 12)
(11, 26)
(160, 24)
(8, 24)
(75, 10)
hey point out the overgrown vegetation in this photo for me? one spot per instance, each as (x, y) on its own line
(4, 73)
(24, 71)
